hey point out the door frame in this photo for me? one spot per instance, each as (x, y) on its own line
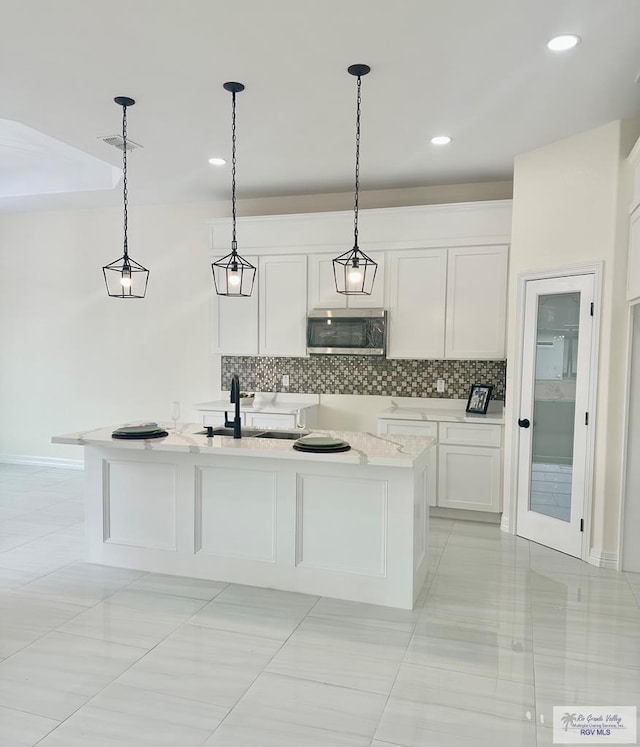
(594, 269)
(626, 424)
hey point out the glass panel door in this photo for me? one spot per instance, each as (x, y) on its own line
(553, 460)
(554, 404)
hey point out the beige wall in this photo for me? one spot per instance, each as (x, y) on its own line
(73, 359)
(566, 211)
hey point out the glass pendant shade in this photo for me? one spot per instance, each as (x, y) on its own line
(124, 277)
(233, 275)
(354, 271)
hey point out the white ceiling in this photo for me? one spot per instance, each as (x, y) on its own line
(478, 70)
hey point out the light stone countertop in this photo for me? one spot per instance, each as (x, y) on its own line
(366, 448)
(452, 411)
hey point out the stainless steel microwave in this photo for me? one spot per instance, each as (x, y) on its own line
(347, 332)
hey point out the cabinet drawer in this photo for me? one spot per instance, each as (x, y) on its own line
(273, 420)
(214, 417)
(407, 427)
(470, 434)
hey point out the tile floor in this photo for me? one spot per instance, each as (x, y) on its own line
(96, 656)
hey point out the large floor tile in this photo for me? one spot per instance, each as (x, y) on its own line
(352, 636)
(133, 717)
(414, 724)
(179, 586)
(101, 728)
(134, 618)
(82, 583)
(262, 612)
(334, 667)
(57, 674)
(20, 728)
(275, 698)
(265, 732)
(366, 614)
(432, 686)
(25, 618)
(497, 657)
(209, 665)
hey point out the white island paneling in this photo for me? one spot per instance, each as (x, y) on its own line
(350, 525)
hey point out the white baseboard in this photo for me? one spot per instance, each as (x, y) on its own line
(40, 461)
(602, 559)
(460, 514)
(504, 524)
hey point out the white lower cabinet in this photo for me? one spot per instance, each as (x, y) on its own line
(469, 477)
(465, 469)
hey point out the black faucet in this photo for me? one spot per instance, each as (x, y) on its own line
(235, 399)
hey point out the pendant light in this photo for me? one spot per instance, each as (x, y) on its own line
(354, 271)
(232, 274)
(124, 277)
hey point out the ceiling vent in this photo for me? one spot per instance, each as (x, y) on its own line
(118, 142)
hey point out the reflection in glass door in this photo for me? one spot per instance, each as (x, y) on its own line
(552, 452)
(554, 404)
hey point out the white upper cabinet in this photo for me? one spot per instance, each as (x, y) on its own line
(476, 302)
(282, 301)
(442, 272)
(322, 285)
(417, 283)
(235, 322)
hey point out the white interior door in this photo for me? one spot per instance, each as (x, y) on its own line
(554, 411)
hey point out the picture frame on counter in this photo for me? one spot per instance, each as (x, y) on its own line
(479, 397)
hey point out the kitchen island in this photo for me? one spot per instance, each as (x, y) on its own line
(350, 525)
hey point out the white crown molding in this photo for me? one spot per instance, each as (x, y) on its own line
(421, 226)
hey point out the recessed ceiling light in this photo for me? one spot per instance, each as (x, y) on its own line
(441, 140)
(563, 42)
(217, 161)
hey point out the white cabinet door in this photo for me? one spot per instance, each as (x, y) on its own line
(322, 285)
(388, 427)
(416, 293)
(476, 302)
(376, 300)
(469, 477)
(633, 268)
(235, 323)
(266, 420)
(282, 285)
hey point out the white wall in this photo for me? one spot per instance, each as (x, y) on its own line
(74, 359)
(567, 211)
(631, 546)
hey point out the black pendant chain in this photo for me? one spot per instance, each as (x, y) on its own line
(357, 187)
(125, 192)
(233, 169)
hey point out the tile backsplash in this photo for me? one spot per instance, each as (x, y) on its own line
(354, 374)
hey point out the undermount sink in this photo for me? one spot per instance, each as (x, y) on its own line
(284, 435)
(254, 433)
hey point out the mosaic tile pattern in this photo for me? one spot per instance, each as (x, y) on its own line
(354, 374)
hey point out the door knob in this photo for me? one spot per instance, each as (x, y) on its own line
(524, 423)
